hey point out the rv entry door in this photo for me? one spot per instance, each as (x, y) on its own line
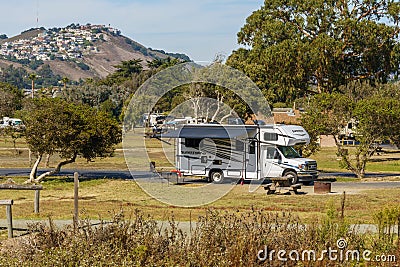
(271, 159)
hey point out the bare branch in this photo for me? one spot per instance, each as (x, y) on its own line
(370, 11)
(227, 116)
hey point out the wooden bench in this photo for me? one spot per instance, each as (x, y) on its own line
(36, 188)
(295, 187)
(270, 188)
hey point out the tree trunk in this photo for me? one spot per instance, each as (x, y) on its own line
(345, 159)
(32, 175)
(231, 113)
(46, 163)
(220, 100)
(57, 169)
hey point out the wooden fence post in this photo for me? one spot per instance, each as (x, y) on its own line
(8, 204)
(37, 197)
(9, 221)
(76, 210)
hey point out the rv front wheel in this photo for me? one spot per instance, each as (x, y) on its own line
(216, 177)
(292, 176)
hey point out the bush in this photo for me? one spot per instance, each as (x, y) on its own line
(227, 239)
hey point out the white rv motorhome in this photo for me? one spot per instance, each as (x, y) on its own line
(11, 122)
(249, 152)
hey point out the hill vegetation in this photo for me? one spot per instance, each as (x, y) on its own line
(76, 51)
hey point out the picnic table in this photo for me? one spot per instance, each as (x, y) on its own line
(281, 185)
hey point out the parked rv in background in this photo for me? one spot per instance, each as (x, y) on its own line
(349, 131)
(11, 122)
(153, 119)
(159, 120)
(249, 152)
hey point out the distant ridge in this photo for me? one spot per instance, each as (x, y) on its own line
(76, 51)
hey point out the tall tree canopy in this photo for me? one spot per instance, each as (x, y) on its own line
(295, 45)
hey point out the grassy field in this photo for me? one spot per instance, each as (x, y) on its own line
(102, 197)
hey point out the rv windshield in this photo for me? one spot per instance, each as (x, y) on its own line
(289, 152)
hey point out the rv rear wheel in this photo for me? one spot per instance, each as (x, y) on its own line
(216, 177)
(293, 179)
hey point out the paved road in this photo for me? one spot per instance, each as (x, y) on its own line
(337, 187)
(91, 174)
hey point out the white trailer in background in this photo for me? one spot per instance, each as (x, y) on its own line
(11, 122)
(248, 152)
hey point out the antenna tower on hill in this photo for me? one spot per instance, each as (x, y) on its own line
(37, 14)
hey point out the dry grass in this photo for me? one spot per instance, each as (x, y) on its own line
(218, 239)
(100, 197)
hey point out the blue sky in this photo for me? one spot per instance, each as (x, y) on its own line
(198, 28)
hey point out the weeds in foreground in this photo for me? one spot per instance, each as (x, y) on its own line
(218, 239)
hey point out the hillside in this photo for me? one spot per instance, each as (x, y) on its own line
(76, 52)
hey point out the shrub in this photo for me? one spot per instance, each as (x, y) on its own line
(218, 239)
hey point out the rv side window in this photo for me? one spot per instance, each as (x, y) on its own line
(192, 142)
(270, 137)
(271, 152)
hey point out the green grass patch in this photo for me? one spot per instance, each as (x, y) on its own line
(383, 162)
(347, 179)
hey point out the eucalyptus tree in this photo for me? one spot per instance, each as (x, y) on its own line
(163, 63)
(126, 68)
(65, 80)
(292, 47)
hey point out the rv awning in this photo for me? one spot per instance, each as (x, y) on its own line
(212, 131)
